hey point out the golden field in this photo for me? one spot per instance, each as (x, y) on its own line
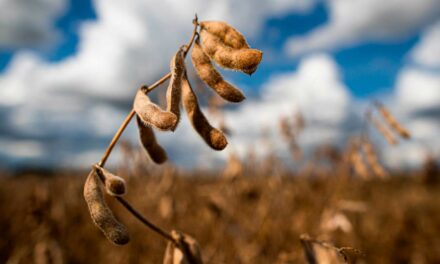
(247, 218)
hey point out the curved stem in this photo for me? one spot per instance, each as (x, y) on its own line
(146, 89)
(122, 128)
(116, 138)
(143, 219)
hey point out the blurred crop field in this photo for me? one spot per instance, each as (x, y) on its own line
(254, 214)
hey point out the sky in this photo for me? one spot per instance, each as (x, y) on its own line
(69, 71)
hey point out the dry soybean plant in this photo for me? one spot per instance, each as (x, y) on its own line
(212, 41)
(391, 124)
(317, 251)
(363, 156)
(290, 130)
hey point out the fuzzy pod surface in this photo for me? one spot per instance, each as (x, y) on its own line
(151, 114)
(174, 90)
(226, 33)
(245, 60)
(212, 136)
(208, 74)
(114, 185)
(101, 214)
(149, 142)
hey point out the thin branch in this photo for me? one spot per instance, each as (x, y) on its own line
(122, 128)
(115, 139)
(146, 89)
(144, 220)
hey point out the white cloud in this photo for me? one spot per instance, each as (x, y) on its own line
(29, 23)
(21, 149)
(316, 90)
(427, 51)
(129, 44)
(418, 89)
(405, 156)
(354, 21)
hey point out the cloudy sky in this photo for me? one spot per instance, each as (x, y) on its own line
(69, 70)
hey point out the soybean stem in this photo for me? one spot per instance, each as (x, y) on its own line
(146, 89)
(145, 221)
(116, 137)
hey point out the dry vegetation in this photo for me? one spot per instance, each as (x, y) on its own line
(341, 206)
(254, 218)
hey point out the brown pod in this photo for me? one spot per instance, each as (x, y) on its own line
(351, 255)
(392, 121)
(149, 142)
(212, 136)
(168, 257)
(207, 72)
(151, 114)
(186, 251)
(383, 130)
(358, 163)
(114, 185)
(371, 156)
(101, 214)
(177, 67)
(226, 33)
(245, 60)
(317, 251)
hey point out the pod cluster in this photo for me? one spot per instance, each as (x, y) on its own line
(216, 42)
(364, 159)
(228, 48)
(387, 126)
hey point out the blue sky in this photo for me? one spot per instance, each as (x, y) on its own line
(91, 55)
(367, 68)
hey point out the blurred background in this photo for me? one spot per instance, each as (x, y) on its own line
(69, 71)
(302, 157)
